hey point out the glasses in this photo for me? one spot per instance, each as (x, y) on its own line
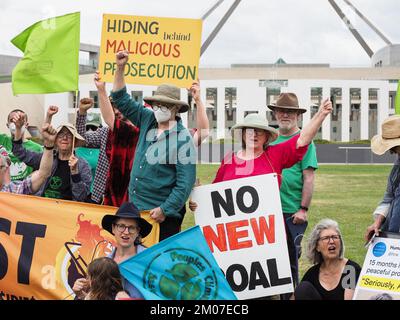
(63, 135)
(288, 111)
(256, 132)
(157, 107)
(327, 239)
(121, 228)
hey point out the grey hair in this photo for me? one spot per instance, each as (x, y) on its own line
(313, 255)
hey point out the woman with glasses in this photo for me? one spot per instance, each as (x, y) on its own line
(70, 177)
(332, 276)
(128, 229)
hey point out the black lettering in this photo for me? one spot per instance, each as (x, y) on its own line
(29, 233)
(5, 226)
(243, 275)
(240, 199)
(257, 276)
(273, 274)
(227, 204)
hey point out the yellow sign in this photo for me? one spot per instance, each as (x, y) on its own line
(46, 244)
(380, 283)
(162, 50)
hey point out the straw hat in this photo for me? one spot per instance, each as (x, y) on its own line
(168, 94)
(257, 121)
(390, 136)
(287, 101)
(80, 141)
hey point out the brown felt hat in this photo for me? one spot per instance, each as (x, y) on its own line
(390, 136)
(287, 101)
(169, 95)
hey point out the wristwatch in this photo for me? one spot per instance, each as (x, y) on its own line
(304, 208)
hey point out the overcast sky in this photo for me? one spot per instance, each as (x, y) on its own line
(259, 31)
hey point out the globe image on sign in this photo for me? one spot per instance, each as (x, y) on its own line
(185, 275)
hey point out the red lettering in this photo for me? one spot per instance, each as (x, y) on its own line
(218, 240)
(177, 52)
(141, 48)
(121, 46)
(262, 229)
(112, 45)
(234, 235)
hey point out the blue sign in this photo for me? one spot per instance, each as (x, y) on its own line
(379, 249)
(181, 267)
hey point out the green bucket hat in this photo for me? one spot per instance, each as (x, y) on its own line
(257, 121)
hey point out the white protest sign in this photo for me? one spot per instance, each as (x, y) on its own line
(380, 274)
(243, 224)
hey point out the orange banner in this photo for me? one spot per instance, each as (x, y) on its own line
(46, 244)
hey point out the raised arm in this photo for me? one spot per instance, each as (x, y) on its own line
(119, 80)
(311, 129)
(51, 111)
(30, 158)
(104, 102)
(40, 176)
(202, 125)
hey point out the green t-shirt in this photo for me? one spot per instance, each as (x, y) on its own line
(91, 155)
(18, 169)
(292, 178)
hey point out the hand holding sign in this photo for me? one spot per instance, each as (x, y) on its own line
(121, 58)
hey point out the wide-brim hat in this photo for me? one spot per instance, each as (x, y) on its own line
(127, 210)
(80, 141)
(170, 95)
(257, 121)
(287, 101)
(390, 136)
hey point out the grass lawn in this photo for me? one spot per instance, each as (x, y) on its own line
(347, 194)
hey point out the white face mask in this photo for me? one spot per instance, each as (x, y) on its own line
(12, 128)
(162, 116)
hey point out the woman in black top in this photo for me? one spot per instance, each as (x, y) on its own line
(332, 277)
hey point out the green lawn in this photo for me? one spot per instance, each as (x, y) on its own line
(347, 194)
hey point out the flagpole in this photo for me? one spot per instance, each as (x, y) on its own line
(74, 117)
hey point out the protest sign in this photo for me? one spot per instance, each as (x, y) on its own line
(380, 274)
(178, 268)
(243, 225)
(46, 244)
(162, 50)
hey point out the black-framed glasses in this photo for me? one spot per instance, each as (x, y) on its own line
(327, 239)
(157, 107)
(63, 135)
(121, 228)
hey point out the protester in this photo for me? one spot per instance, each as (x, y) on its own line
(91, 155)
(332, 277)
(18, 169)
(164, 168)
(70, 176)
(104, 281)
(297, 181)
(387, 214)
(128, 229)
(32, 183)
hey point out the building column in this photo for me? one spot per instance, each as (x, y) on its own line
(383, 105)
(184, 116)
(345, 114)
(364, 113)
(220, 112)
(326, 125)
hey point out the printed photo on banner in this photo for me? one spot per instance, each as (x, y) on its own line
(380, 275)
(162, 50)
(243, 225)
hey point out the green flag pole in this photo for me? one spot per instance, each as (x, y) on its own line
(397, 100)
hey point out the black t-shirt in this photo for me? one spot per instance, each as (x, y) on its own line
(59, 186)
(351, 268)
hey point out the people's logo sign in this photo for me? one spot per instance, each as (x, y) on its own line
(379, 249)
(187, 276)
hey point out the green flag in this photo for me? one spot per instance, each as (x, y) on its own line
(51, 56)
(397, 100)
